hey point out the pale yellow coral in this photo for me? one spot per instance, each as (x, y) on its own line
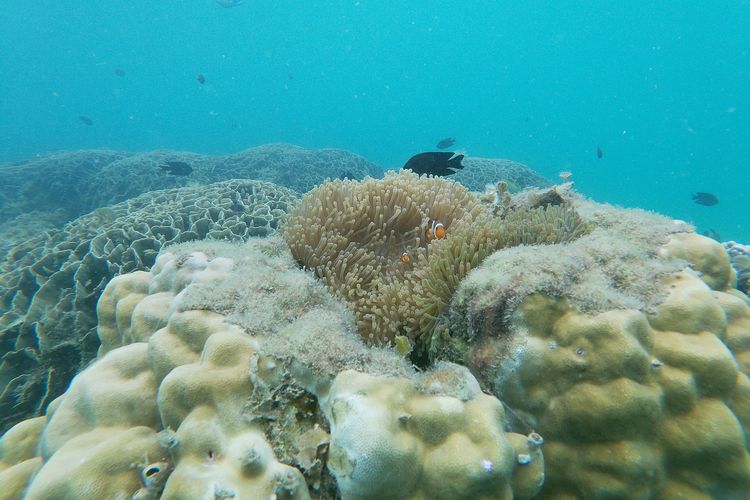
(19, 460)
(706, 256)
(388, 440)
(632, 403)
(209, 386)
(101, 463)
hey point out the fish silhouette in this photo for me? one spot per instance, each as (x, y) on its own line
(445, 143)
(706, 199)
(599, 152)
(174, 167)
(435, 163)
(86, 120)
(228, 4)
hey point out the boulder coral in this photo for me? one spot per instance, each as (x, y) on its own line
(50, 284)
(225, 372)
(610, 365)
(392, 438)
(740, 257)
(633, 364)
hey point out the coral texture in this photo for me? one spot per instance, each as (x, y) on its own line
(287, 165)
(391, 440)
(632, 365)
(365, 239)
(371, 243)
(58, 184)
(66, 185)
(50, 284)
(227, 372)
(478, 172)
(740, 257)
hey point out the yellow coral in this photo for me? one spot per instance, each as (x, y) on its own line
(388, 440)
(194, 403)
(632, 403)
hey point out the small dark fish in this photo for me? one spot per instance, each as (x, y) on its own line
(86, 120)
(445, 143)
(599, 152)
(174, 167)
(707, 199)
(228, 4)
(119, 72)
(201, 79)
(435, 163)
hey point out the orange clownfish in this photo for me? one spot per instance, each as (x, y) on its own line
(405, 258)
(436, 231)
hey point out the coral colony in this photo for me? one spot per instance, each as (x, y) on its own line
(402, 337)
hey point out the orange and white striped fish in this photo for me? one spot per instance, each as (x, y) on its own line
(436, 230)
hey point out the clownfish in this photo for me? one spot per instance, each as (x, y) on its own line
(405, 258)
(436, 230)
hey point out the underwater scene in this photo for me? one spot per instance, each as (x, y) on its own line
(374, 250)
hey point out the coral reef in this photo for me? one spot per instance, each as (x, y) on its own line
(390, 439)
(66, 185)
(58, 185)
(227, 372)
(50, 284)
(740, 257)
(287, 165)
(371, 243)
(363, 238)
(478, 172)
(627, 349)
(599, 353)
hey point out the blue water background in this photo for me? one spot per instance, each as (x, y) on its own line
(662, 87)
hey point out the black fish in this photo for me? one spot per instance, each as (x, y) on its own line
(201, 79)
(435, 163)
(599, 152)
(86, 120)
(119, 72)
(707, 199)
(445, 143)
(176, 167)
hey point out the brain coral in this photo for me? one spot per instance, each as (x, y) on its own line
(50, 284)
(226, 372)
(371, 243)
(627, 349)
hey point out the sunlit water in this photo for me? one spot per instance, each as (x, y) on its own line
(662, 87)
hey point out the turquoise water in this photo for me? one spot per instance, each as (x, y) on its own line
(663, 89)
